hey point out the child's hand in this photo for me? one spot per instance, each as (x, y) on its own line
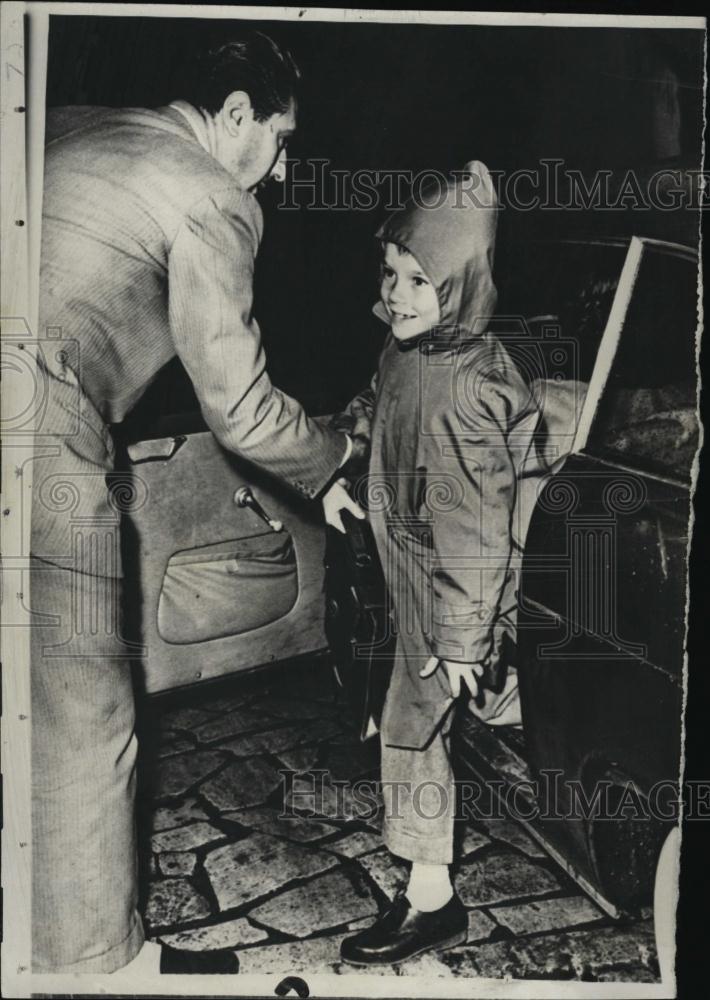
(456, 672)
(336, 499)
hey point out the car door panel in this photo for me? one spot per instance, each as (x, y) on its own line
(216, 591)
(583, 716)
(212, 588)
(606, 552)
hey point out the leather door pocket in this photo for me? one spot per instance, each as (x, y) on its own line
(227, 588)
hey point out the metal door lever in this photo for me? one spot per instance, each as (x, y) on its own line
(243, 497)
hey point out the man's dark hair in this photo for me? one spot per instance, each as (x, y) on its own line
(251, 62)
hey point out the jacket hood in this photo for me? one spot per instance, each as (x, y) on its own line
(454, 242)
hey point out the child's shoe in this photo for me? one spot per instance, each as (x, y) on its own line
(403, 932)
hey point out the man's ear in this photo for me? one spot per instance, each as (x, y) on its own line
(235, 109)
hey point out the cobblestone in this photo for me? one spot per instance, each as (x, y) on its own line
(174, 901)
(500, 876)
(173, 863)
(168, 817)
(355, 844)
(177, 775)
(213, 830)
(299, 758)
(186, 838)
(186, 718)
(318, 795)
(630, 973)
(236, 723)
(322, 903)
(292, 708)
(316, 956)
(272, 741)
(473, 840)
(388, 872)
(229, 934)
(259, 865)
(547, 914)
(221, 706)
(175, 746)
(512, 833)
(576, 955)
(480, 926)
(301, 828)
(241, 784)
(430, 964)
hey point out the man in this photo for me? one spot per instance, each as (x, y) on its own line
(150, 231)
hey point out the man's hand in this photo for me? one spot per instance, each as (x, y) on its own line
(359, 459)
(336, 499)
(456, 672)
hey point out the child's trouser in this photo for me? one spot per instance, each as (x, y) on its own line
(84, 871)
(419, 796)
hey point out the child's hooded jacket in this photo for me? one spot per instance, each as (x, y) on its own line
(452, 232)
(450, 420)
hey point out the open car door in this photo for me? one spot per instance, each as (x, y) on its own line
(224, 564)
(603, 588)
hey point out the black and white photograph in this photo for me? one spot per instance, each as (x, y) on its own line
(352, 538)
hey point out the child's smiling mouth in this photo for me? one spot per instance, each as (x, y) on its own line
(401, 316)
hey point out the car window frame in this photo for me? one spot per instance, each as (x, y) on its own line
(609, 344)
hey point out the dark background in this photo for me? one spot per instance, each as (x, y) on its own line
(413, 97)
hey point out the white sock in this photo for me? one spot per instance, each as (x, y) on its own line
(429, 887)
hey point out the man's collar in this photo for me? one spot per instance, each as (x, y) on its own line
(199, 125)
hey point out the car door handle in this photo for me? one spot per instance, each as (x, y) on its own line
(243, 497)
(160, 450)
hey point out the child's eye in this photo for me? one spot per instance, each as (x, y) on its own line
(419, 282)
(387, 272)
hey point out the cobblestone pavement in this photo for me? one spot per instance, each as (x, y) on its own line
(223, 871)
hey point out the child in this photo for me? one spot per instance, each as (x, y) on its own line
(444, 413)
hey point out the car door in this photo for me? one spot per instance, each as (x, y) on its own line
(224, 563)
(604, 576)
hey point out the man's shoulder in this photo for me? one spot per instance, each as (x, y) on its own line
(64, 121)
(88, 121)
(149, 133)
(153, 150)
(137, 137)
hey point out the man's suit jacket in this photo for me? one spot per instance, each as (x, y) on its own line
(148, 249)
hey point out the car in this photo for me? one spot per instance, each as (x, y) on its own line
(228, 564)
(214, 590)
(602, 595)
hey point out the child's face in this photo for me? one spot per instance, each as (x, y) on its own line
(407, 294)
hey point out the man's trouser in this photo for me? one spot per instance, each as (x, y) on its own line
(84, 859)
